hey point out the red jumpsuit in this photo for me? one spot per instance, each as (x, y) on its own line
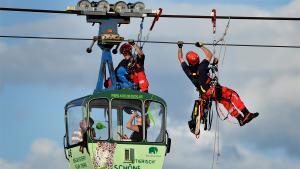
(140, 79)
(138, 75)
(200, 78)
(230, 99)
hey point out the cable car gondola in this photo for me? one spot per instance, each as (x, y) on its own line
(103, 144)
(96, 134)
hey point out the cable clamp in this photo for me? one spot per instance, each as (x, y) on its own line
(214, 19)
(156, 18)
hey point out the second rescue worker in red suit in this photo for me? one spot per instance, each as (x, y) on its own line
(134, 66)
(198, 73)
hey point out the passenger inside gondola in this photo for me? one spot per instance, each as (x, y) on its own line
(137, 134)
(135, 124)
(78, 135)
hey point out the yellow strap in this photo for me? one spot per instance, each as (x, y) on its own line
(202, 89)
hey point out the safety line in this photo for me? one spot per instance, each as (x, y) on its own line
(154, 42)
(153, 15)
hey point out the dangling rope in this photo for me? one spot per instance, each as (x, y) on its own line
(216, 149)
(224, 117)
(140, 35)
(223, 41)
(215, 76)
(156, 18)
(218, 139)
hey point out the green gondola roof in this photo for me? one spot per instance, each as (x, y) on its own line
(121, 94)
(126, 94)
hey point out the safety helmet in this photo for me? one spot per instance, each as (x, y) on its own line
(126, 47)
(192, 58)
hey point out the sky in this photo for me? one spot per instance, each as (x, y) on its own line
(38, 77)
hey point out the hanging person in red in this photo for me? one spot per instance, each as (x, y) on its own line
(198, 73)
(133, 66)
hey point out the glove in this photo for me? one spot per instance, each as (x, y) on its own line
(199, 44)
(131, 41)
(180, 44)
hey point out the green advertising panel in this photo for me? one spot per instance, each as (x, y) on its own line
(104, 155)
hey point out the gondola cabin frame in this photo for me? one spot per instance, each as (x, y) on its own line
(110, 150)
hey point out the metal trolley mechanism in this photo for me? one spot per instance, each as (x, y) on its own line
(109, 17)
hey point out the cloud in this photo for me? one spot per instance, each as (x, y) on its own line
(187, 152)
(8, 165)
(277, 104)
(266, 79)
(44, 154)
(47, 62)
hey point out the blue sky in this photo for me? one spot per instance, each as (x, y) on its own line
(37, 78)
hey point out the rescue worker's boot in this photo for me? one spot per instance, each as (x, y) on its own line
(240, 119)
(248, 116)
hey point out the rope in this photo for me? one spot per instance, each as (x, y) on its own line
(223, 41)
(225, 32)
(216, 150)
(140, 35)
(216, 147)
(156, 18)
(225, 117)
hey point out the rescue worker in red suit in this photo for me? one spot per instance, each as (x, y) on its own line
(198, 73)
(134, 66)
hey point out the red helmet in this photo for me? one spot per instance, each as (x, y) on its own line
(126, 47)
(192, 58)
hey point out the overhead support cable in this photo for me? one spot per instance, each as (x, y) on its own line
(231, 17)
(228, 44)
(44, 38)
(154, 42)
(39, 10)
(162, 16)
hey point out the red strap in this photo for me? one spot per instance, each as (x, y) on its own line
(214, 19)
(156, 18)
